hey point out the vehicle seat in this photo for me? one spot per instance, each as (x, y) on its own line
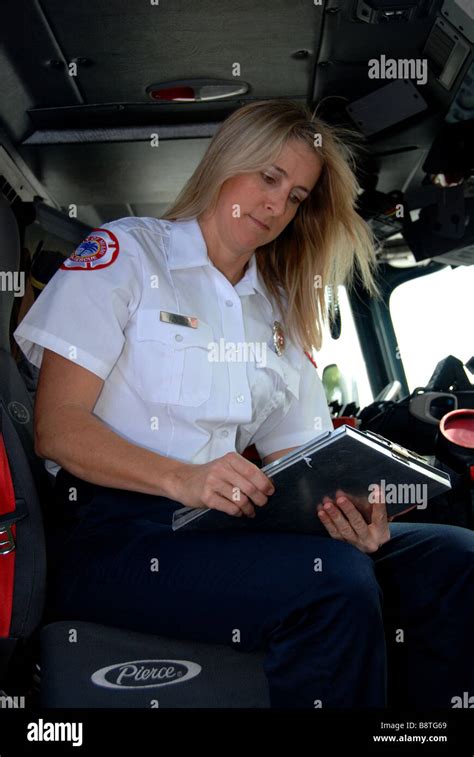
(89, 665)
(13, 393)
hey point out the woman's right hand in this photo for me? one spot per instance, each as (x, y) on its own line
(230, 483)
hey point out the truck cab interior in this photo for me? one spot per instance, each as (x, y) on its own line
(106, 109)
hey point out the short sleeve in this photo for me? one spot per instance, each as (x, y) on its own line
(307, 417)
(82, 311)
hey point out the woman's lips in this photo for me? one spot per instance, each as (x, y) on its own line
(261, 225)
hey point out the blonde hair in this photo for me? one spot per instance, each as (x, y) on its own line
(326, 244)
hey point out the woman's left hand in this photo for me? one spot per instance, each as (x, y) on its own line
(344, 521)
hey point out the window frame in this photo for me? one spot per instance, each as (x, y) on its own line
(375, 328)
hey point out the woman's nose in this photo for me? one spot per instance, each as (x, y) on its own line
(276, 203)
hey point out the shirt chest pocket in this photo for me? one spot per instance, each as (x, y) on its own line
(172, 363)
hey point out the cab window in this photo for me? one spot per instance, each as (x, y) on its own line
(345, 353)
(430, 315)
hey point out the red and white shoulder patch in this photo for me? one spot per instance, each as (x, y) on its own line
(100, 249)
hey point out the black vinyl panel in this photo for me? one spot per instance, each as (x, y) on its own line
(134, 44)
(133, 172)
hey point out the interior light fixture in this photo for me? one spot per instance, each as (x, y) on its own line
(196, 90)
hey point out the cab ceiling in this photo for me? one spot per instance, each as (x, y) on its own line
(86, 138)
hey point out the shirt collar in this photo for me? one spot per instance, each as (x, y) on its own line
(188, 249)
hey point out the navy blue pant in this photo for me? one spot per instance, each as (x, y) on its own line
(340, 628)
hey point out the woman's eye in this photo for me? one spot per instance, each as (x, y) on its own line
(271, 180)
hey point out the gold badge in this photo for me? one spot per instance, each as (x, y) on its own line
(278, 338)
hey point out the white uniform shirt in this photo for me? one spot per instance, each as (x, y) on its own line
(163, 387)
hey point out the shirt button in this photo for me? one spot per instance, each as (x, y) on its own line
(229, 303)
(178, 337)
(224, 432)
(240, 398)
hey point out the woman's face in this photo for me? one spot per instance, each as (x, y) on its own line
(271, 196)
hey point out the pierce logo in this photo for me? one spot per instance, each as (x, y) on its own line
(145, 674)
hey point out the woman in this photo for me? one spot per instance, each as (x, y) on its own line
(141, 421)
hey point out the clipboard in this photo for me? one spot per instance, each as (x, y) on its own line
(345, 458)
